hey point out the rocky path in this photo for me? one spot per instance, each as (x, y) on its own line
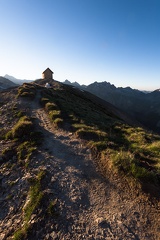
(89, 206)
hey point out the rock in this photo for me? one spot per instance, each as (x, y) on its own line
(53, 235)
(2, 236)
(47, 236)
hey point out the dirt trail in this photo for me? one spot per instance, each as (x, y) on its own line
(90, 206)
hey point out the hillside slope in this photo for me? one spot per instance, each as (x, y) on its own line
(5, 83)
(53, 184)
(140, 106)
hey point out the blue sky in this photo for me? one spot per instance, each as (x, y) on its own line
(117, 41)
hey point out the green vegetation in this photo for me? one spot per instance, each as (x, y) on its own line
(27, 90)
(127, 162)
(21, 129)
(20, 114)
(25, 141)
(53, 114)
(35, 196)
(130, 150)
(7, 151)
(45, 101)
(50, 106)
(58, 122)
(51, 208)
(20, 234)
(25, 151)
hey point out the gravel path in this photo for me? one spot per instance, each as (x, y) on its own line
(90, 206)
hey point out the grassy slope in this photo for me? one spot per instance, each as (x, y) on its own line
(131, 151)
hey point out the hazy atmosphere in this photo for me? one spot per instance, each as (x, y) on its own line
(82, 40)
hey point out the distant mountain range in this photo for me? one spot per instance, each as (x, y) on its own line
(142, 106)
(17, 81)
(9, 81)
(6, 83)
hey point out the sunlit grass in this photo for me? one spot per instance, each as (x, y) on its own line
(131, 150)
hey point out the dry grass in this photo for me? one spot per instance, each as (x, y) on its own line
(133, 151)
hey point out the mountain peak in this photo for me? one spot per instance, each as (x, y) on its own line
(15, 80)
(6, 83)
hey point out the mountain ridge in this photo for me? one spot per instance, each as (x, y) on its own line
(16, 80)
(57, 176)
(6, 83)
(139, 105)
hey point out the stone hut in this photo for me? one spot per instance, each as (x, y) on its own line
(47, 74)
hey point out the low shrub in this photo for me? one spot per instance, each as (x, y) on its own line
(44, 101)
(25, 150)
(126, 163)
(50, 106)
(58, 122)
(54, 114)
(122, 160)
(142, 173)
(98, 146)
(77, 126)
(154, 147)
(27, 90)
(27, 94)
(88, 134)
(23, 128)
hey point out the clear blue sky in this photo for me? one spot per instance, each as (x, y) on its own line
(117, 41)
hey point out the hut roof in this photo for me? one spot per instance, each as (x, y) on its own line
(48, 69)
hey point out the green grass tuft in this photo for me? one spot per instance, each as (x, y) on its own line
(35, 196)
(19, 234)
(27, 90)
(54, 114)
(21, 129)
(25, 150)
(58, 122)
(50, 106)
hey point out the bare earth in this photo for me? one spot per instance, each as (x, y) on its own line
(89, 206)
